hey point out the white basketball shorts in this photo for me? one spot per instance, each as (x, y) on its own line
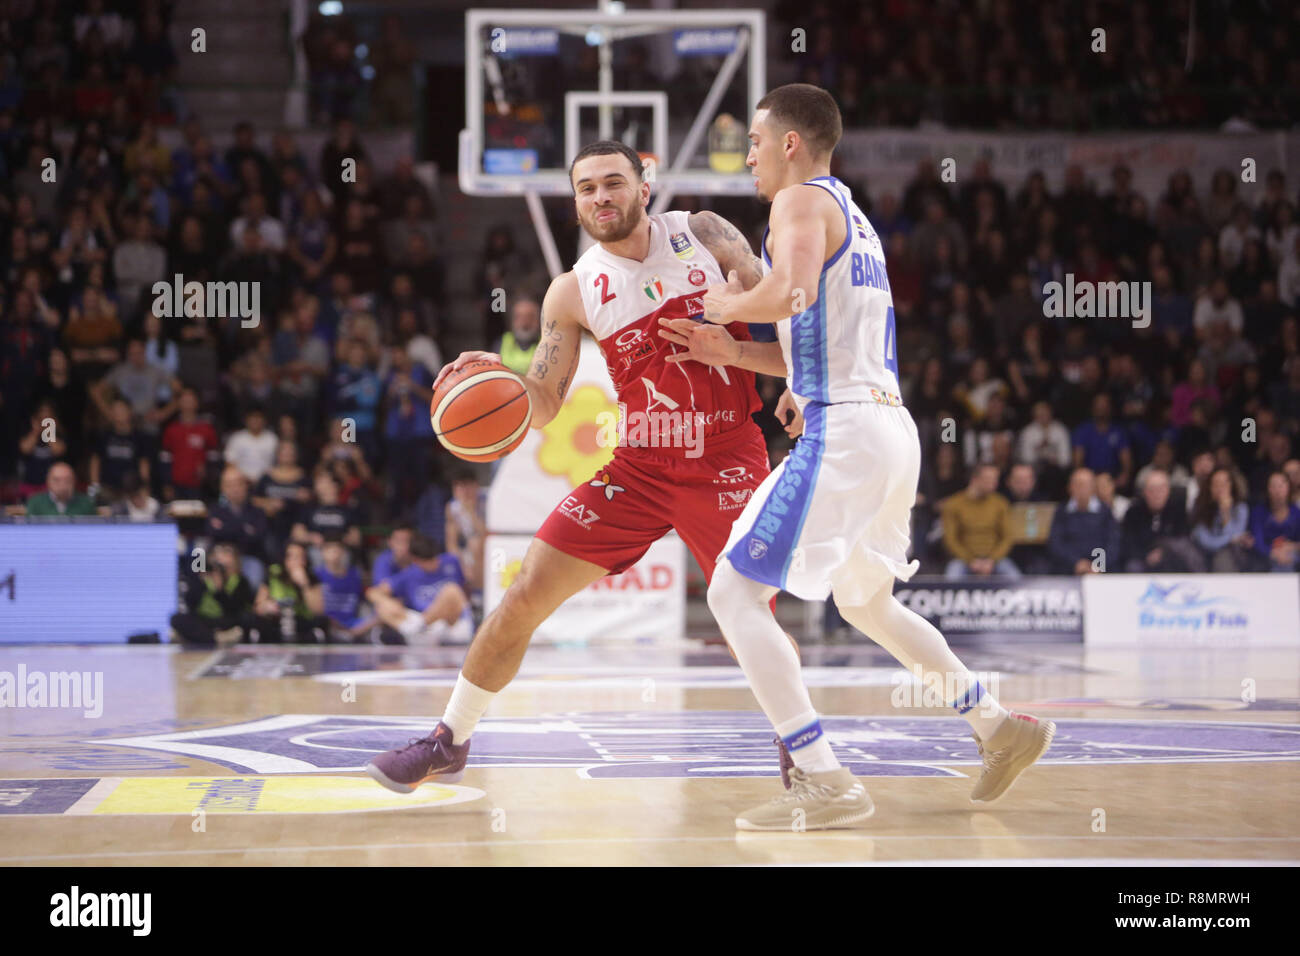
(835, 515)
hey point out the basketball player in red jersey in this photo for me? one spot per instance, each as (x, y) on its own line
(642, 269)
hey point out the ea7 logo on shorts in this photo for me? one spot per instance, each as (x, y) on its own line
(731, 500)
(571, 507)
(757, 548)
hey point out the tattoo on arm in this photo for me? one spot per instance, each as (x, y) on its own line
(728, 245)
(564, 382)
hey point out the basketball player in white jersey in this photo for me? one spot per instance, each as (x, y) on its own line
(691, 475)
(833, 517)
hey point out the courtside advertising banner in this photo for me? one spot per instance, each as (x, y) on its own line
(646, 604)
(1188, 610)
(1035, 607)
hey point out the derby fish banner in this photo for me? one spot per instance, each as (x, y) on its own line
(887, 159)
(1231, 610)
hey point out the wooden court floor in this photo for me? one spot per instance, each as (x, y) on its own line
(251, 756)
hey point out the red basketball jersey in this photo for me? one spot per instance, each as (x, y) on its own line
(624, 300)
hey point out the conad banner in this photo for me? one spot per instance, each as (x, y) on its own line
(645, 603)
(1037, 607)
(887, 159)
(1183, 610)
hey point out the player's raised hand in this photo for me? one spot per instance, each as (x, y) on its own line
(718, 298)
(706, 344)
(787, 405)
(461, 361)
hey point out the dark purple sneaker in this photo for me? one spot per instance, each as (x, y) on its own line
(787, 764)
(434, 757)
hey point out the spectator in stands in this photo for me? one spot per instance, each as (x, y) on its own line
(977, 529)
(189, 451)
(1215, 305)
(252, 448)
(1220, 525)
(325, 514)
(1083, 531)
(408, 431)
(60, 497)
(148, 390)
(1110, 498)
(217, 599)
(120, 451)
(467, 527)
(341, 590)
(39, 449)
(1275, 525)
(136, 503)
(1155, 531)
(1044, 444)
(290, 605)
(234, 519)
(356, 393)
(396, 557)
(282, 493)
(1100, 445)
(93, 335)
(517, 344)
(426, 603)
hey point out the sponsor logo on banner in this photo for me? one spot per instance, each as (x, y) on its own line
(688, 744)
(646, 604)
(703, 42)
(1043, 605)
(1232, 609)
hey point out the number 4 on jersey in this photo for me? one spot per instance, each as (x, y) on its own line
(891, 343)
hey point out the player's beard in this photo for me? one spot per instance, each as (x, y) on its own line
(617, 229)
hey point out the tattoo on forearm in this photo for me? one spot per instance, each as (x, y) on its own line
(551, 331)
(564, 382)
(728, 245)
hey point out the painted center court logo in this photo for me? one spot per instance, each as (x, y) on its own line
(704, 743)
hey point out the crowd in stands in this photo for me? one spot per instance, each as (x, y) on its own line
(1030, 66)
(288, 450)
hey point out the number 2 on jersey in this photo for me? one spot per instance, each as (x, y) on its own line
(602, 282)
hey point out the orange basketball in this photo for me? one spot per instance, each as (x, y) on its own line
(481, 412)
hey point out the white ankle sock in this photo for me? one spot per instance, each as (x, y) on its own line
(919, 647)
(808, 746)
(770, 664)
(465, 709)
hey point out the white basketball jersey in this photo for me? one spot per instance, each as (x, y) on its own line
(843, 348)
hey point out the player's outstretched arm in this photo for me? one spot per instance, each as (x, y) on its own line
(798, 224)
(714, 345)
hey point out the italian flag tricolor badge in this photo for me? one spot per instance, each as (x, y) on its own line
(654, 289)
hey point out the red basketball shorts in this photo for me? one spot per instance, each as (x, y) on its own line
(644, 493)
